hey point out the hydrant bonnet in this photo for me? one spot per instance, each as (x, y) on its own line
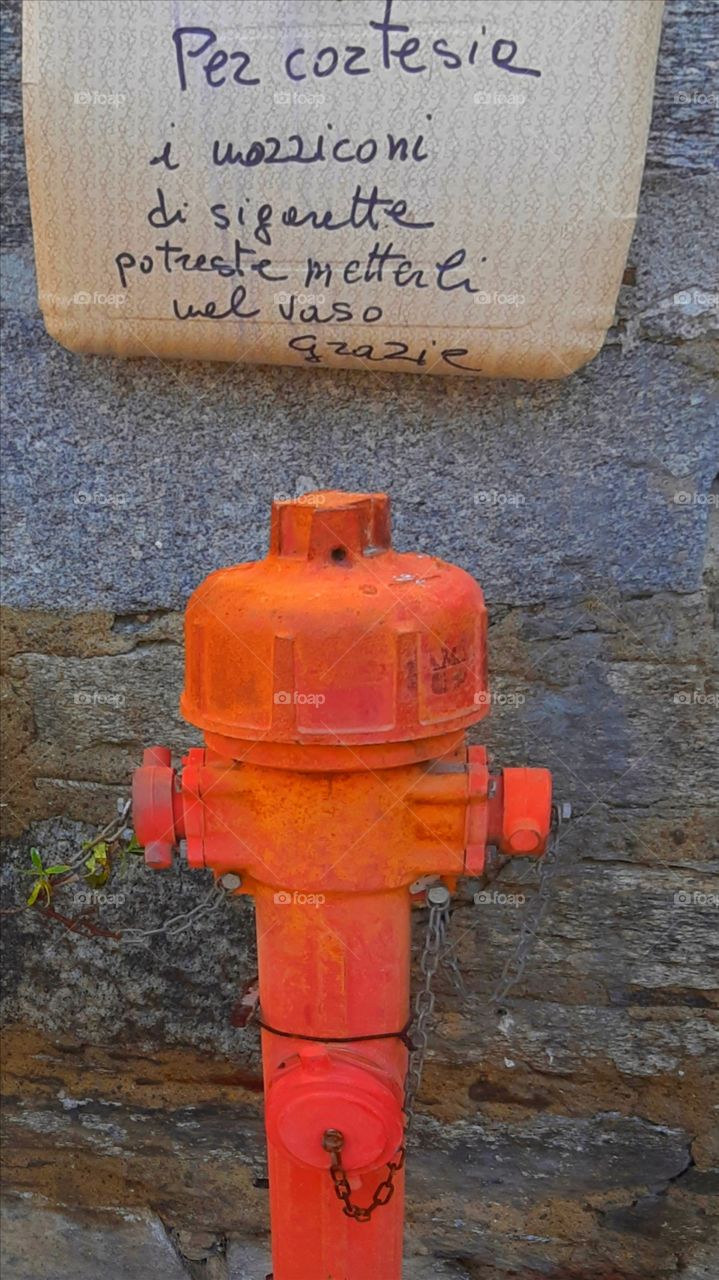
(335, 639)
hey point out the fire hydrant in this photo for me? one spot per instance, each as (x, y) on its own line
(334, 681)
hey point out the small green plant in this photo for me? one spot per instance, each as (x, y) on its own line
(43, 876)
(94, 863)
(97, 865)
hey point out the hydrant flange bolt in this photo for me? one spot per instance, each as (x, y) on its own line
(438, 896)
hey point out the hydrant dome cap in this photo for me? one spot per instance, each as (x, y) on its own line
(335, 638)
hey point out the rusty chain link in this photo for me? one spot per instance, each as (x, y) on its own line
(333, 1141)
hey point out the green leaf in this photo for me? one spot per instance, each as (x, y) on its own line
(33, 895)
(35, 859)
(98, 860)
(59, 870)
(97, 870)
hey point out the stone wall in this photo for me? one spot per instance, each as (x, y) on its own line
(566, 1131)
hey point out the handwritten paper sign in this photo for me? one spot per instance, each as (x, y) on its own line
(428, 186)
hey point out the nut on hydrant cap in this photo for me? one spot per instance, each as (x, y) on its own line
(330, 524)
(525, 837)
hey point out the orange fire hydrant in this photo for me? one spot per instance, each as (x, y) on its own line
(334, 681)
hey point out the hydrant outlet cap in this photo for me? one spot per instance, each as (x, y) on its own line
(153, 807)
(305, 1100)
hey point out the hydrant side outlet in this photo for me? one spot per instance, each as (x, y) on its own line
(334, 682)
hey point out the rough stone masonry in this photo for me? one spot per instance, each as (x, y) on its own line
(565, 1133)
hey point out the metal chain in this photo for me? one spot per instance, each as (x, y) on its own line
(333, 1142)
(516, 963)
(451, 965)
(433, 950)
(436, 950)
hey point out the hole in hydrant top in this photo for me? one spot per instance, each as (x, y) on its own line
(338, 553)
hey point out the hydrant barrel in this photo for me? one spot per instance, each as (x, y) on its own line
(349, 957)
(334, 682)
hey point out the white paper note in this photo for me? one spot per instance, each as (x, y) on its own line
(415, 186)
